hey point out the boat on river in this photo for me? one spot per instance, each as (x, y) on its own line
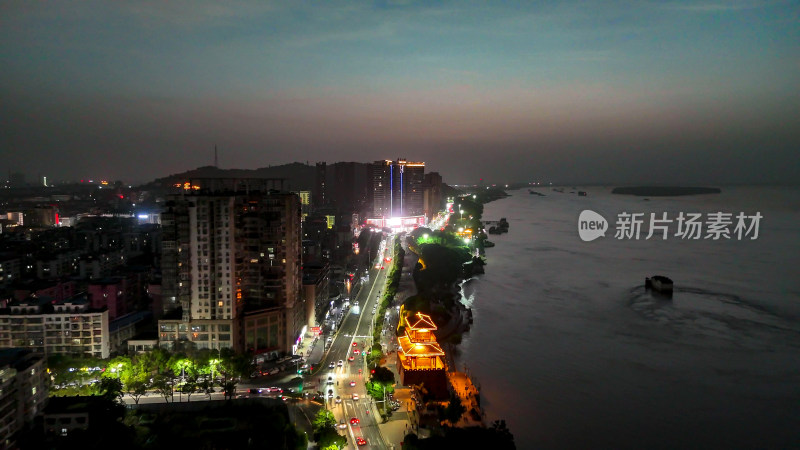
(659, 283)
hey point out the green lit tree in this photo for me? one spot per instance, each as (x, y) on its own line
(117, 367)
(325, 434)
(324, 419)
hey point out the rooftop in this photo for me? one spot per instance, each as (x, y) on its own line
(71, 405)
(128, 319)
(419, 349)
(15, 357)
(424, 322)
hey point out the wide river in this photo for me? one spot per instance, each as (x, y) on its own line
(572, 352)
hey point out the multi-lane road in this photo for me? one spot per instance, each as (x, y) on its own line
(353, 338)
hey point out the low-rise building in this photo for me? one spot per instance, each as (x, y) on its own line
(212, 334)
(264, 330)
(124, 328)
(142, 342)
(64, 415)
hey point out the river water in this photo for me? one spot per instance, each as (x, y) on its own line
(572, 352)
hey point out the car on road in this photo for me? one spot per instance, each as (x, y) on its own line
(354, 421)
(360, 441)
(338, 399)
(340, 363)
(351, 359)
(330, 393)
(330, 380)
(356, 351)
(342, 425)
(355, 396)
(352, 384)
(332, 365)
(276, 390)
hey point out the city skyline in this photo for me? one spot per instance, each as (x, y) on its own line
(681, 92)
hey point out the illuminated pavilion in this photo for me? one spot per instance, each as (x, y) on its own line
(420, 356)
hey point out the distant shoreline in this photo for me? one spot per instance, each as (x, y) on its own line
(664, 191)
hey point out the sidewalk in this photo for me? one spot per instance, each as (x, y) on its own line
(467, 393)
(313, 351)
(405, 420)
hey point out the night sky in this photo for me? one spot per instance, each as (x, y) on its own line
(578, 92)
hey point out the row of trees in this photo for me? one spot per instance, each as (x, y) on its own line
(163, 372)
(393, 282)
(158, 371)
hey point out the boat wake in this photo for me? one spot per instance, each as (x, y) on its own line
(707, 314)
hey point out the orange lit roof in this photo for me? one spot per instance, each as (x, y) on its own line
(424, 322)
(419, 349)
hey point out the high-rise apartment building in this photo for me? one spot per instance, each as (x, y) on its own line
(23, 391)
(397, 188)
(175, 255)
(231, 254)
(271, 274)
(432, 194)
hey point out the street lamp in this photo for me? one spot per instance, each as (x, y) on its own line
(213, 362)
(462, 213)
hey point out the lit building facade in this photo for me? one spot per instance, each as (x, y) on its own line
(420, 356)
(228, 255)
(398, 224)
(397, 188)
